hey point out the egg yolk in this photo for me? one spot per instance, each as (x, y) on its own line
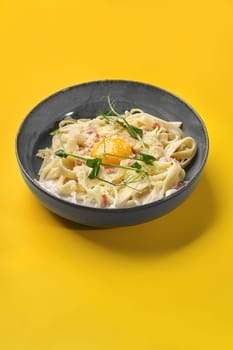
(114, 146)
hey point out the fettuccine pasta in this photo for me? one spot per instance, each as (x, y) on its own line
(116, 161)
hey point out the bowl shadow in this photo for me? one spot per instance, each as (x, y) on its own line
(164, 235)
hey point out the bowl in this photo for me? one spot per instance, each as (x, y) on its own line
(87, 100)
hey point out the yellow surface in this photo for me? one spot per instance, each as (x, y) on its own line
(163, 285)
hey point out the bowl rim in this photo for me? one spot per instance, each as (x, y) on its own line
(36, 184)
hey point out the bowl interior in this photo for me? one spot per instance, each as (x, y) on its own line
(87, 100)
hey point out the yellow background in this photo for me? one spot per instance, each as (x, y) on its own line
(163, 285)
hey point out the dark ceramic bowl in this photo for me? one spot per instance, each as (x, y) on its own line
(87, 100)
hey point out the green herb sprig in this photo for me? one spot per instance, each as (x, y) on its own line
(130, 180)
(119, 119)
(96, 163)
(144, 157)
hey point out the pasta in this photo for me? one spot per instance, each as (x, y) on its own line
(115, 160)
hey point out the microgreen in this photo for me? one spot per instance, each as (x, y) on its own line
(61, 153)
(95, 163)
(137, 167)
(119, 119)
(147, 158)
(105, 116)
(144, 157)
(112, 109)
(133, 130)
(130, 180)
